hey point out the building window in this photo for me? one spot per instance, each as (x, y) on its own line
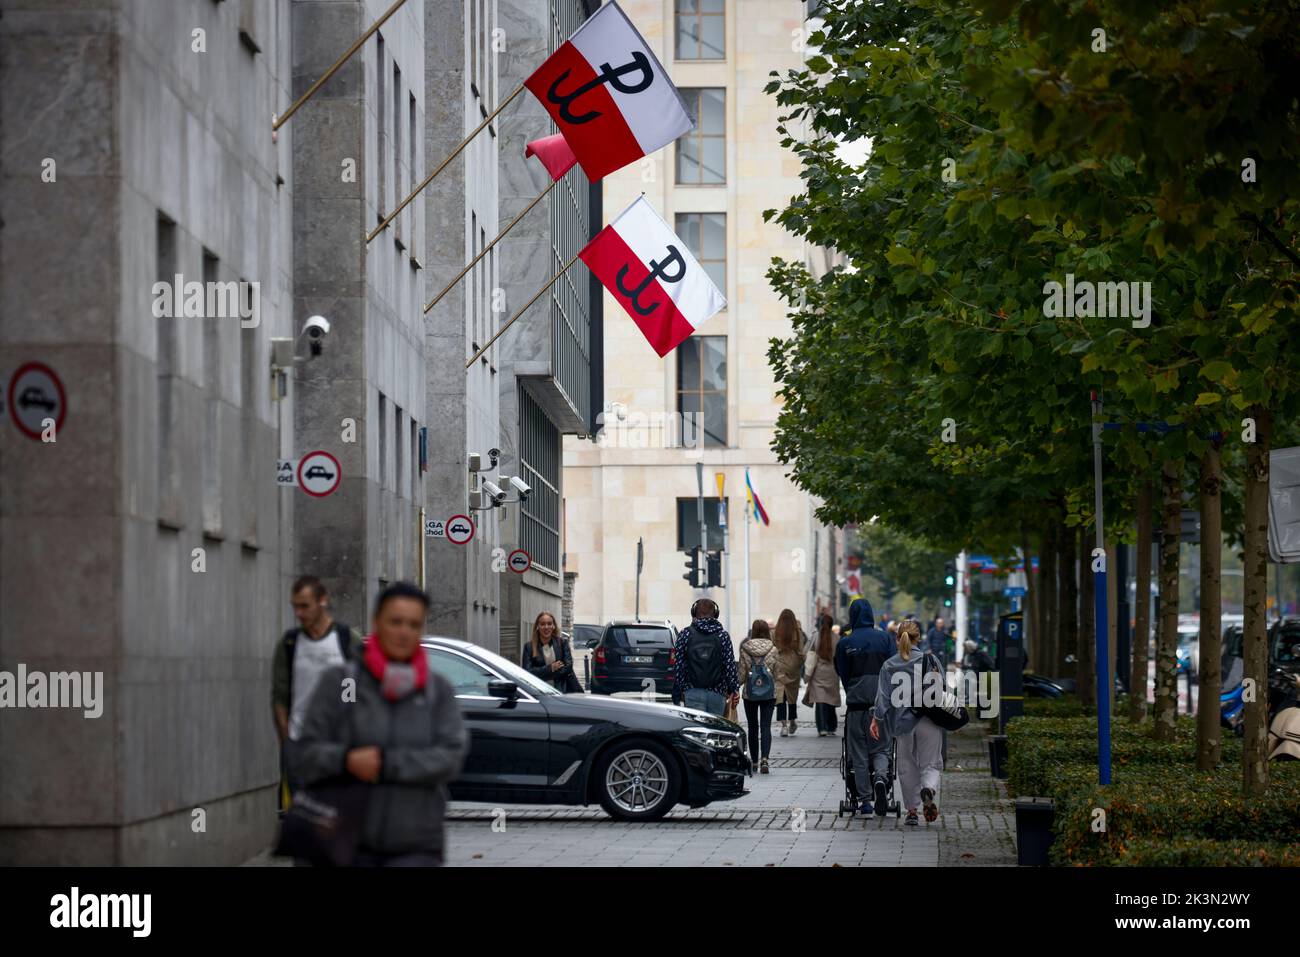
(706, 238)
(700, 30)
(381, 121)
(702, 153)
(167, 366)
(399, 437)
(702, 390)
(688, 524)
(398, 195)
(383, 441)
(248, 412)
(210, 454)
(539, 466)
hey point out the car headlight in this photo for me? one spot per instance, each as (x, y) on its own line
(710, 738)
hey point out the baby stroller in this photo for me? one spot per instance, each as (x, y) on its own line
(851, 801)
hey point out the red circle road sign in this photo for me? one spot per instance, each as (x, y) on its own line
(35, 394)
(460, 529)
(319, 473)
(519, 561)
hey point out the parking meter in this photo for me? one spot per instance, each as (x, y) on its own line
(1010, 663)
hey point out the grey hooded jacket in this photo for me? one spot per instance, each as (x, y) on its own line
(899, 680)
(423, 742)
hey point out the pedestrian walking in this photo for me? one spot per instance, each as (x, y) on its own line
(392, 732)
(897, 712)
(301, 656)
(858, 659)
(822, 692)
(791, 646)
(547, 655)
(705, 675)
(758, 658)
(936, 642)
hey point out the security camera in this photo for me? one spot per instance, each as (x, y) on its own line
(317, 327)
(495, 492)
(520, 486)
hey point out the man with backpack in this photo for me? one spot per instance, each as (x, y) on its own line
(705, 676)
(302, 655)
(859, 657)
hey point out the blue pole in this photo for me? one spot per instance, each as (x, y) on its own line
(1102, 636)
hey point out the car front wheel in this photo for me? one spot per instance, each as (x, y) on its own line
(637, 780)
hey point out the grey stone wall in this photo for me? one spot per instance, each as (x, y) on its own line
(99, 530)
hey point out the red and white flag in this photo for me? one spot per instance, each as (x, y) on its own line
(649, 270)
(554, 153)
(609, 95)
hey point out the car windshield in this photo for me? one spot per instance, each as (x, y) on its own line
(1284, 645)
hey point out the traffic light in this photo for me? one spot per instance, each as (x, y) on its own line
(692, 574)
(950, 575)
(715, 570)
(947, 603)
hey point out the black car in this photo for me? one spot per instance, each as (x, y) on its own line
(530, 744)
(34, 395)
(635, 656)
(1284, 644)
(318, 471)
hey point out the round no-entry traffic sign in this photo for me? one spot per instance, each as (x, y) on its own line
(34, 395)
(460, 529)
(519, 561)
(319, 473)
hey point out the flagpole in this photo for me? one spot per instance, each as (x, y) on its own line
(443, 165)
(512, 319)
(749, 618)
(279, 121)
(474, 262)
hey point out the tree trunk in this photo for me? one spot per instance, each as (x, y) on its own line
(1254, 757)
(1030, 607)
(1207, 706)
(1047, 579)
(1166, 711)
(1139, 682)
(1085, 668)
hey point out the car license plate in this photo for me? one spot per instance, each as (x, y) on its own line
(637, 659)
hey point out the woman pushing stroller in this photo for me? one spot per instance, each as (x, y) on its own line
(897, 712)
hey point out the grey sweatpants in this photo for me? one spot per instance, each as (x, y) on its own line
(869, 759)
(920, 759)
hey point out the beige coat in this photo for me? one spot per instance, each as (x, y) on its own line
(823, 682)
(786, 673)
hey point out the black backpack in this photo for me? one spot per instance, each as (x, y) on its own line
(704, 660)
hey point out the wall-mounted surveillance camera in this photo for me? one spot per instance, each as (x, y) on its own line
(494, 454)
(316, 329)
(495, 492)
(520, 486)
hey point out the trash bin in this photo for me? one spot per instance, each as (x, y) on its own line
(997, 755)
(1034, 830)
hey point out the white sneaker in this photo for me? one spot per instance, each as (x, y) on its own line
(785, 729)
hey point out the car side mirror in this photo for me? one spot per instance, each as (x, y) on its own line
(503, 689)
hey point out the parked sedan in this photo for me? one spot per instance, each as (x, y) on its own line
(530, 744)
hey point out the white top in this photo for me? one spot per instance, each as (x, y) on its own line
(310, 659)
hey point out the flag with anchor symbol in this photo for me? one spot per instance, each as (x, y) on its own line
(609, 95)
(649, 270)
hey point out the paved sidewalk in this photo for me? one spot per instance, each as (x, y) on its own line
(789, 818)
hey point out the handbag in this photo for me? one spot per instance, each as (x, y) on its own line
(948, 714)
(323, 822)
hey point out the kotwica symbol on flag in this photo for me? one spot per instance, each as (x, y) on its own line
(652, 274)
(609, 95)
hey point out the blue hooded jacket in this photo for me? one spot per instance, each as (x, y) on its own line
(860, 655)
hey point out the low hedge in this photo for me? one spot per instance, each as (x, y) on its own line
(1172, 805)
(1202, 852)
(1039, 749)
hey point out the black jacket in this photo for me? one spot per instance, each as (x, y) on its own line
(860, 655)
(564, 679)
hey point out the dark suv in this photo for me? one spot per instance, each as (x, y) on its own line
(634, 656)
